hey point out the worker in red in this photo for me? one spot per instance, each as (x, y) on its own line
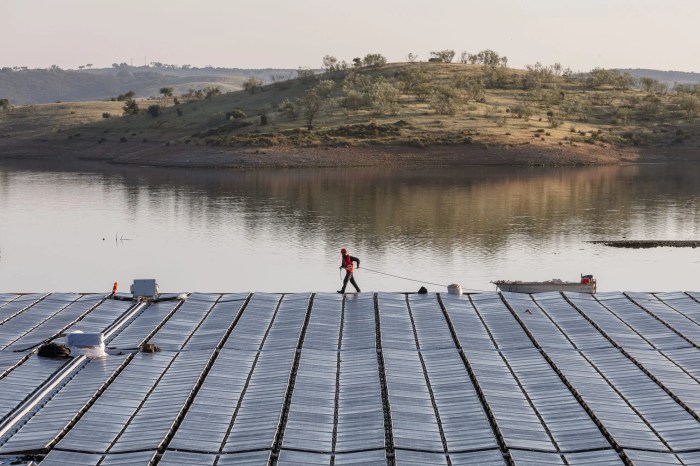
(347, 264)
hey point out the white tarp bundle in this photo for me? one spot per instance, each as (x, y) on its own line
(91, 345)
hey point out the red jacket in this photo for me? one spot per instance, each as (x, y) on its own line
(347, 263)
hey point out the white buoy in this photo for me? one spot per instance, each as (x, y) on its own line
(454, 289)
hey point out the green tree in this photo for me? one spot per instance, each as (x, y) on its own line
(154, 110)
(374, 60)
(537, 76)
(415, 81)
(444, 100)
(385, 97)
(252, 84)
(495, 76)
(312, 103)
(473, 88)
(288, 108)
(445, 56)
(652, 86)
(599, 77)
(324, 89)
(131, 107)
(490, 58)
(690, 104)
(166, 91)
(624, 81)
(211, 91)
(330, 63)
(357, 89)
(522, 110)
(306, 75)
(126, 96)
(4, 104)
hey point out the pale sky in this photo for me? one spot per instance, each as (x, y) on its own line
(580, 34)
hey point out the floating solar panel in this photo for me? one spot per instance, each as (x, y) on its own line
(359, 326)
(360, 423)
(668, 315)
(186, 458)
(43, 427)
(357, 379)
(51, 327)
(370, 457)
(151, 317)
(580, 332)
(34, 316)
(208, 419)
(310, 420)
(20, 304)
(24, 379)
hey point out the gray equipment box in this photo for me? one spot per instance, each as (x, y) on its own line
(145, 288)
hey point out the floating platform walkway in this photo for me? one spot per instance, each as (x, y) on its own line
(360, 379)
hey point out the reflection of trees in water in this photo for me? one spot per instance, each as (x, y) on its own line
(445, 207)
(484, 207)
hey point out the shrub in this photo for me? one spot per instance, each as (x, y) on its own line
(235, 114)
(154, 110)
(252, 84)
(126, 96)
(263, 120)
(288, 108)
(522, 110)
(106, 115)
(131, 107)
(443, 100)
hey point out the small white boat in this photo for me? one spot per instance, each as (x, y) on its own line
(587, 284)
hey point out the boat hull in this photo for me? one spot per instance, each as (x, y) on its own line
(543, 287)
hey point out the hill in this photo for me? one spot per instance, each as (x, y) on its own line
(667, 77)
(22, 87)
(394, 113)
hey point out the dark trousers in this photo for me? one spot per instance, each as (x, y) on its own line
(348, 276)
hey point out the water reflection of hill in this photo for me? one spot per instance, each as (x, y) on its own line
(484, 207)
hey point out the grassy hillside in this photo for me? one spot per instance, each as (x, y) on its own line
(416, 105)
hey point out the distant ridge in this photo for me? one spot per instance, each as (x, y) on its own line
(47, 86)
(670, 77)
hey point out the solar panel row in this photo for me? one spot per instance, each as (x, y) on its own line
(362, 379)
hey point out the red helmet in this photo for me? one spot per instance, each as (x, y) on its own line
(343, 251)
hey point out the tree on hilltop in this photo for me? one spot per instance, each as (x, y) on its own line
(446, 56)
(374, 60)
(330, 63)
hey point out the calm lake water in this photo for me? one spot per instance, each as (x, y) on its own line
(80, 229)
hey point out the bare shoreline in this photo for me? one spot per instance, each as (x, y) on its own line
(241, 157)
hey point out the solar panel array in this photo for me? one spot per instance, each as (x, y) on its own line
(359, 379)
